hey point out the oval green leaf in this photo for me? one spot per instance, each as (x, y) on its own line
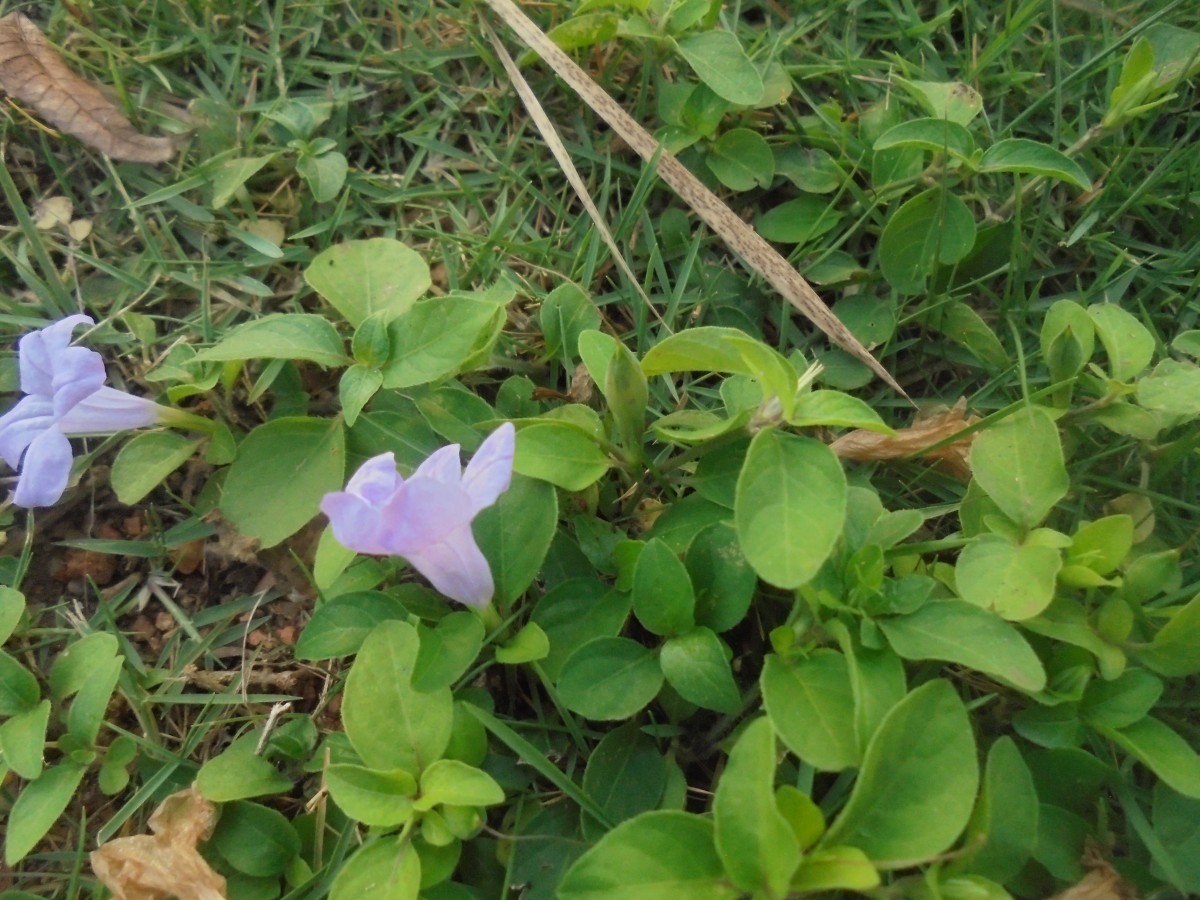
(1033, 158)
(959, 632)
(280, 336)
(659, 855)
(721, 63)
(789, 507)
(933, 227)
(359, 278)
(609, 678)
(915, 790)
(1019, 464)
(282, 470)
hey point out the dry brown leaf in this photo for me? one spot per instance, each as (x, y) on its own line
(1103, 882)
(165, 864)
(33, 72)
(930, 427)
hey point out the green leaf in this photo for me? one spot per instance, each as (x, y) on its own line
(756, 843)
(741, 160)
(584, 30)
(1175, 650)
(1033, 158)
(515, 534)
(625, 776)
(391, 724)
(282, 470)
(716, 349)
(694, 663)
(1004, 824)
(958, 632)
(238, 774)
(1172, 388)
(661, 855)
(721, 63)
(1128, 342)
(663, 599)
(324, 174)
(1102, 545)
(37, 809)
(726, 581)
(355, 389)
(916, 786)
(938, 135)
(810, 169)
(1015, 580)
(1162, 751)
(22, 740)
(255, 840)
(789, 508)
(530, 644)
(564, 315)
(596, 351)
(146, 460)
(877, 682)
(961, 324)
(1122, 702)
(561, 454)
(375, 797)
(18, 688)
(12, 607)
(1177, 825)
(232, 175)
(447, 650)
(811, 707)
(803, 816)
(835, 869)
(1067, 621)
(280, 336)
(339, 626)
(1019, 464)
(387, 869)
(359, 278)
(425, 350)
(452, 783)
(835, 410)
(87, 711)
(798, 221)
(609, 678)
(628, 397)
(933, 227)
(573, 613)
(952, 100)
(1068, 339)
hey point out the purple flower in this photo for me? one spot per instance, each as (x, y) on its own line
(427, 519)
(65, 395)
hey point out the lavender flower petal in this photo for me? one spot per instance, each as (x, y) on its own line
(456, 567)
(21, 424)
(489, 473)
(45, 471)
(38, 352)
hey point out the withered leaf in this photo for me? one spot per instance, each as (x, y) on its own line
(1102, 882)
(166, 863)
(33, 72)
(929, 428)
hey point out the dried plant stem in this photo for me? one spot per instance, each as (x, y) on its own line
(744, 240)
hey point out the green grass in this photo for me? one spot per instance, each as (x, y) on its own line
(442, 156)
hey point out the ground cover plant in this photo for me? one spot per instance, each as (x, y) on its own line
(374, 530)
